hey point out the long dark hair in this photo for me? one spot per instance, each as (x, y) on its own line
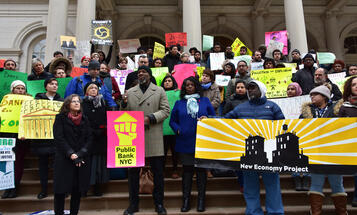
(174, 83)
(347, 92)
(65, 109)
(195, 82)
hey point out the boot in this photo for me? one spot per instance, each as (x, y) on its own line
(201, 188)
(306, 183)
(298, 184)
(12, 193)
(186, 190)
(97, 190)
(5, 195)
(316, 199)
(340, 202)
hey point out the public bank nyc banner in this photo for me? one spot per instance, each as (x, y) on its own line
(126, 139)
(321, 145)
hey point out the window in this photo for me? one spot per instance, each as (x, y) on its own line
(351, 44)
(39, 50)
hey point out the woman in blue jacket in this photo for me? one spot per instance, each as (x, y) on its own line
(185, 114)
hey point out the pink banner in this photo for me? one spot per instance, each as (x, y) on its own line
(126, 139)
(183, 71)
(280, 36)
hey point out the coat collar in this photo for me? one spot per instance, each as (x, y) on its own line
(149, 92)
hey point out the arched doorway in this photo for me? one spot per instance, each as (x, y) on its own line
(224, 41)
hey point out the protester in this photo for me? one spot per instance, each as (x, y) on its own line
(352, 70)
(38, 72)
(216, 49)
(132, 78)
(156, 110)
(21, 147)
(242, 74)
(269, 63)
(184, 58)
(61, 62)
(296, 57)
(73, 139)
(229, 53)
(257, 57)
(349, 109)
(192, 51)
(94, 108)
(157, 62)
(338, 66)
(239, 97)
(293, 90)
(102, 56)
(122, 64)
(321, 106)
(109, 82)
(45, 149)
(305, 77)
(187, 111)
(94, 56)
(320, 78)
(243, 50)
(229, 69)
(263, 50)
(278, 56)
(56, 54)
(172, 58)
(76, 85)
(259, 107)
(210, 88)
(198, 61)
(169, 83)
(85, 62)
(10, 64)
(59, 72)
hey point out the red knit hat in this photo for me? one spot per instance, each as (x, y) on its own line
(84, 57)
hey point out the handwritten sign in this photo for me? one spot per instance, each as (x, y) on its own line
(159, 51)
(216, 60)
(273, 45)
(126, 139)
(279, 36)
(291, 107)
(7, 77)
(120, 77)
(102, 32)
(222, 80)
(159, 74)
(326, 57)
(176, 38)
(246, 58)
(236, 45)
(207, 42)
(183, 71)
(129, 46)
(256, 66)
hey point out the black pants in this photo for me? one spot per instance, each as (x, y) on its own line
(157, 168)
(43, 170)
(169, 143)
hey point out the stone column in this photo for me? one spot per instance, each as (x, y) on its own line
(295, 24)
(85, 15)
(192, 23)
(56, 26)
(332, 34)
(258, 28)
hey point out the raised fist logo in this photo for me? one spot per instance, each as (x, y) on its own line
(126, 129)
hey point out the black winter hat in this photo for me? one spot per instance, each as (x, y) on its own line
(89, 83)
(146, 68)
(308, 55)
(93, 64)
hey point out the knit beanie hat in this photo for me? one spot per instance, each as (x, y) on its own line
(323, 90)
(89, 84)
(296, 50)
(17, 83)
(146, 68)
(93, 64)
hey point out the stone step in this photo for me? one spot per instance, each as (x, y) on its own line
(119, 200)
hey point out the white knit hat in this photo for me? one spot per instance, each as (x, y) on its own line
(323, 90)
(17, 83)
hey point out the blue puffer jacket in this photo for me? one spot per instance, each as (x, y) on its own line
(259, 108)
(185, 126)
(76, 85)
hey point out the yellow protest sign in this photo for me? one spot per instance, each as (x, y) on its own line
(237, 44)
(200, 70)
(37, 118)
(10, 108)
(276, 80)
(292, 145)
(159, 51)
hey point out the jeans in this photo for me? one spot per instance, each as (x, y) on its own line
(273, 201)
(318, 180)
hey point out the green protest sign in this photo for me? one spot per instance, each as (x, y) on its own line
(159, 73)
(207, 42)
(246, 58)
(6, 78)
(172, 96)
(34, 87)
(326, 57)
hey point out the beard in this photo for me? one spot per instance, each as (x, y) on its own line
(142, 81)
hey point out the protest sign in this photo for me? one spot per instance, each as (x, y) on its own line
(172, 96)
(126, 139)
(37, 86)
(183, 71)
(6, 152)
(83, 49)
(120, 77)
(2, 61)
(273, 45)
(292, 66)
(102, 32)
(7, 77)
(68, 42)
(256, 66)
(159, 51)
(10, 109)
(199, 71)
(291, 145)
(137, 59)
(37, 118)
(246, 58)
(222, 80)
(276, 80)
(236, 45)
(279, 36)
(176, 38)
(129, 46)
(216, 60)
(291, 107)
(159, 74)
(207, 42)
(7, 179)
(326, 57)
(338, 79)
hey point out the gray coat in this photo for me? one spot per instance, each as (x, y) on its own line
(153, 101)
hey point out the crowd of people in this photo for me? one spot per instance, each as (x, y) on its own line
(79, 144)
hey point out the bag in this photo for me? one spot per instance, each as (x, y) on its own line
(146, 181)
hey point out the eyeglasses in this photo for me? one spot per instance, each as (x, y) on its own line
(75, 101)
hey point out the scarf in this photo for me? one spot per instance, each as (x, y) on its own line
(95, 100)
(192, 105)
(75, 119)
(206, 86)
(103, 74)
(353, 100)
